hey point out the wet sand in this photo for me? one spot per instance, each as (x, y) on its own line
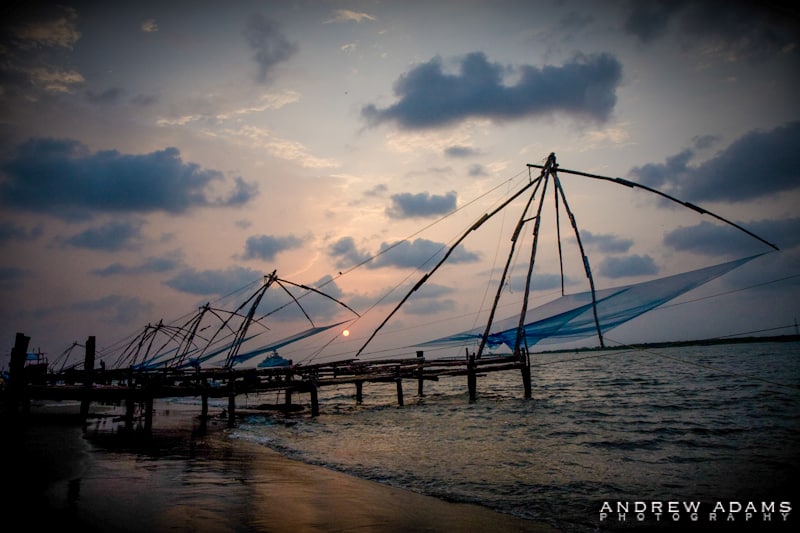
(97, 477)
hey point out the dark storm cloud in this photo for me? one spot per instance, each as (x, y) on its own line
(407, 205)
(61, 177)
(724, 240)
(110, 237)
(214, 282)
(606, 243)
(420, 254)
(270, 46)
(736, 29)
(430, 97)
(266, 247)
(758, 164)
(631, 265)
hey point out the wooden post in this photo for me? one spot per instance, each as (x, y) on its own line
(130, 407)
(472, 378)
(526, 375)
(399, 382)
(204, 404)
(420, 381)
(88, 376)
(359, 392)
(16, 371)
(148, 412)
(312, 388)
(231, 401)
(288, 396)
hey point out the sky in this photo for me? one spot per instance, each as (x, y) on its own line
(159, 156)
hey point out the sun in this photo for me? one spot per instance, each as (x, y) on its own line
(346, 333)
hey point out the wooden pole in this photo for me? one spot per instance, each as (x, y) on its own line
(312, 388)
(525, 367)
(231, 401)
(472, 381)
(148, 412)
(359, 392)
(88, 376)
(399, 382)
(420, 381)
(16, 371)
(288, 397)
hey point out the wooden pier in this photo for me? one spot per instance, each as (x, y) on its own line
(141, 387)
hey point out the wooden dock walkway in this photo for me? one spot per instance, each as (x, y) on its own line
(142, 386)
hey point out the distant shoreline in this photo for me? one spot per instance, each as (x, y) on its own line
(672, 344)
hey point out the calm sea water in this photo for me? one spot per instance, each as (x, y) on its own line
(711, 424)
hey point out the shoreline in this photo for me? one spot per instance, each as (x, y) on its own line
(98, 478)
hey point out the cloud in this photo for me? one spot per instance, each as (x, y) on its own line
(346, 253)
(539, 282)
(110, 237)
(35, 38)
(149, 265)
(407, 205)
(346, 15)
(460, 151)
(270, 46)
(711, 239)
(51, 26)
(430, 299)
(266, 247)
(477, 170)
(10, 231)
(606, 243)
(632, 265)
(731, 29)
(419, 254)
(115, 309)
(62, 178)
(429, 97)
(149, 26)
(214, 282)
(12, 277)
(758, 164)
(109, 96)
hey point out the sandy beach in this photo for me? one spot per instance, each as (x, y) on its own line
(62, 472)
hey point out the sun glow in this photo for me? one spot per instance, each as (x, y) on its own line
(346, 333)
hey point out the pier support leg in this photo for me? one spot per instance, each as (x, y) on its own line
(526, 377)
(148, 414)
(399, 391)
(359, 392)
(130, 407)
(16, 372)
(288, 397)
(420, 381)
(88, 373)
(314, 398)
(472, 380)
